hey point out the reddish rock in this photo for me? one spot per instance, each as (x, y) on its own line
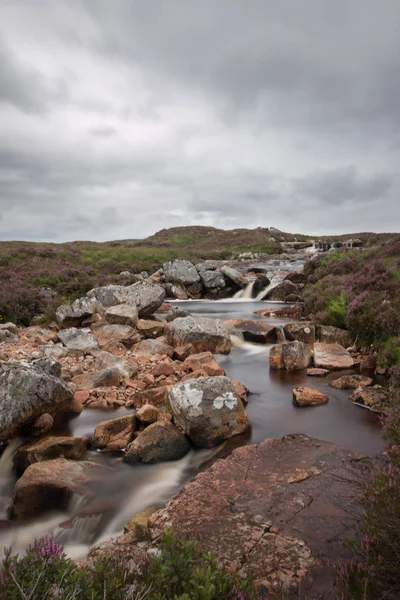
(368, 362)
(182, 352)
(304, 396)
(270, 510)
(332, 356)
(312, 372)
(49, 448)
(105, 378)
(204, 361)
(241, 391)
(150, 329)
(291, 356)
(118, 333)
(161, 441)
(42, 424)
(148, 414)
(163, 368)
(122, 314)
(152, 347)
(303, 332)
(351, 382)
(49, 485)
(114, 434)
(156, 396)
(376, 398)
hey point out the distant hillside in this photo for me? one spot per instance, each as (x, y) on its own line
(73, 268)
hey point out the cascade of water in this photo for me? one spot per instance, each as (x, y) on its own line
(247, 293)
(273, 283)
(281, 334)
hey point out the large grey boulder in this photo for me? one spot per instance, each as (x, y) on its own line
(48, 364)
(78, 339)
(8, 336)
(107, 295)
(103, 359)
(147, 297)
(235, 276)
(73, 315)
(161, 441)
(183, 270)
(291, 356)
(25, 394)
(210, 275)
(203, 333)
(208, 410)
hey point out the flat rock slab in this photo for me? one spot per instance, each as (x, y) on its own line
(332, 356)
(253, 330)
(279, 509)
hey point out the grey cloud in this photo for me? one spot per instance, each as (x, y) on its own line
(103, 131)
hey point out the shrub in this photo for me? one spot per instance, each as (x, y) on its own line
(372, 316)
(337, 308)
(180, 572)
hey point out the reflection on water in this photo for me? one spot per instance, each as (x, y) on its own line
(127, 490)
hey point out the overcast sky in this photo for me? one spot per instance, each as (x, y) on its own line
(121, 117)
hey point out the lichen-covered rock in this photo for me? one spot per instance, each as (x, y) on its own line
(48, 364)
(147, 297)
(8, 337)
(183, 270)
(122, 314)
(77, 339)
(351, 382)
(235, 276)
(25, 394)
(49, 485)
(114, 434)
(208, 410)
(107, 295)
(161, 441)
(210, 275)
(128, 368)
(73, 315)
(332, 356)
(203, 333)
(176, 312)
(149, 328)
(291, 356)
(304, 396)
(49, 448)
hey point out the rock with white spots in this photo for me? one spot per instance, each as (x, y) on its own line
(208, 409)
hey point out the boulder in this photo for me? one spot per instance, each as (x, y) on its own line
(277, 512)
(203, 333)
(291, 356)
(204, 361)
(303, 332)
(73, 315)
(161, 441)
(47, 364)
(156, 396)
(122, 314)
(117, 333)
(335, 335)
(281, 291)
(183, 270)
(107, 295)
(317, 372)
(210, 275)
(25, 394)
(332, 356)
(146, 296)
(49, 448)
(77, 339)
(253, 330)
(376, 398)
(12, 327)
(305, 396)
(351, 382)
(114, 434)
(149, 328)
(208, 410)
(49, 485)
(151, 347)
(109, 377)
(235, 276)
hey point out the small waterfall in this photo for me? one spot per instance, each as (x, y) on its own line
(237, 339)
(273, 283)
(7, 479)
(280, 332)
(247, 293)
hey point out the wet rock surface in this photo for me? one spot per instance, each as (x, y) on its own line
(291, 356)
(203, 333)
(253, 330)
(305, 396)
(49, 448)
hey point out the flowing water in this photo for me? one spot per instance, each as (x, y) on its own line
(127, 490)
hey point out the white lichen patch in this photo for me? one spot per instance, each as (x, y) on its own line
(227, 399)
(187, 399)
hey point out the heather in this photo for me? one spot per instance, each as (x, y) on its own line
(179, 571)
(372, 572)
(360, 291)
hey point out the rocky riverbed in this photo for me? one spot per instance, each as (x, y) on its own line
(113, 408)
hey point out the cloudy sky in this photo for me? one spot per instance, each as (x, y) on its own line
(119, 118)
